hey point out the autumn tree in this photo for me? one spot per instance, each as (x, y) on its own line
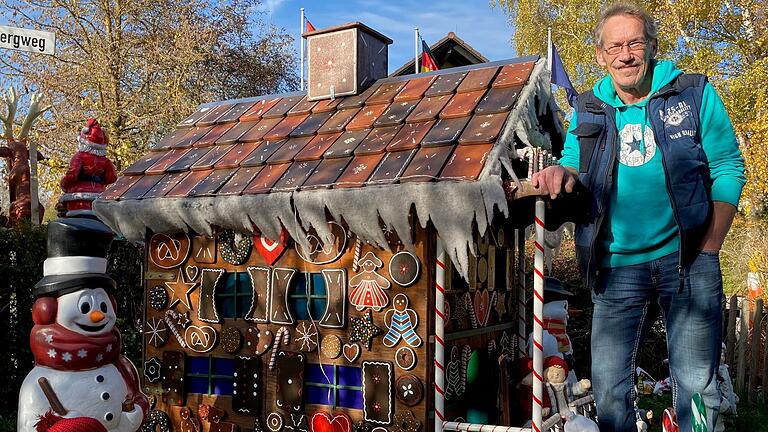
(728, 41)
(141, 65)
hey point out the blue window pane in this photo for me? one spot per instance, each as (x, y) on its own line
(244, 283)
(318, 308)
(243, 305)
(318, 284)
(197, 385)
(300, 309)
(314, 374)
(222, 386)
(197, 365)
(318, 395)
(298, 285)
(225, 306)
(350, 399)
(222, 366)
(229, 285)
(350, 376)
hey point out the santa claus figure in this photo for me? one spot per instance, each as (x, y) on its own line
(80, 381)
(89, 173)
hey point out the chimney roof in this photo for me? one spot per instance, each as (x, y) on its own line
(346, 26)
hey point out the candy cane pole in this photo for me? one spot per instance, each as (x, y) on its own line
(439, 336)
(538, 311)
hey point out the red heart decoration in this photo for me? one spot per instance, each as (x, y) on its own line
(482, 307)
(322, 422)
(271, 250)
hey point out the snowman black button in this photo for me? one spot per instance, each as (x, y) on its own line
(99, 378)
(109, 416)
(105, 396)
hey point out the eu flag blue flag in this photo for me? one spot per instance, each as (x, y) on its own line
(560, 77)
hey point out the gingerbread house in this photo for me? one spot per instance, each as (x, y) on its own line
(341, 258)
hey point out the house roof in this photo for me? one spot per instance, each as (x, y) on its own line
(449, 52)
(434, 140)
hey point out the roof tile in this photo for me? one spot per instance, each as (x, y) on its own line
(515, 74)
(258, 109)
(236, 155)
(116, 189)
(428, 109)
(338, 121)
(317, 147)
(462, 104)
(466, 163)
(210, 184)
(326, 173)
(327, 105)
(191, 137)
(346, 144)
(186, 184)
(141, 165)
(210, 138)
(257, 132)
(234, 114)
(410, 136)
(260, 155)
(391, 167)
(365, 117)
(498, 100)
(285, 127)
(311, 124)
(445, 131)
(266, 178)
(295, 176)
(288, 150)
(237, 183)
(427, 163)
(478, 79)
(170, 139)
(358, 170)
(213, 156)
(483, 128)
(138, 189)
(194, 117)
(302, 107)
(168, 159)
(165, 185)
(385, 93)
(376, 141)
(281, 108)
(415, 89)
(358, 100)
(234, 134)
(214, 114)
(445, 84)
(187, 160)
(395, 113)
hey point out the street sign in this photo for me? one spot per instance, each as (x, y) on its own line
(35, 41)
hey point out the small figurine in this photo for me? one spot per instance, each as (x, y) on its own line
(89, 173)
(368, 287)
(559, 392)
(79, 369)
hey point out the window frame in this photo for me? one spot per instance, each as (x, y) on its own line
(210, 377)
(309, 296)
(242, 279)
(335, 386)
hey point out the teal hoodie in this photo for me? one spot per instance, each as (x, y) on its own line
(640, 224)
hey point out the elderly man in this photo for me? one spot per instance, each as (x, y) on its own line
(656, 152)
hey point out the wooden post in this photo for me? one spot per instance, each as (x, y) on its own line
(765, 367)
(741, 369)
(755, 350)
(730, 334)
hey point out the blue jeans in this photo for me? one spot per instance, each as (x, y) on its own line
(624, 298)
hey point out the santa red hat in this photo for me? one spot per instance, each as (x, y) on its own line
(555, 361)
(92, 136)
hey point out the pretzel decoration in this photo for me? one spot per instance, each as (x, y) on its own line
(170, 316)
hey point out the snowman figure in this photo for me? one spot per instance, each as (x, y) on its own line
(80, 374)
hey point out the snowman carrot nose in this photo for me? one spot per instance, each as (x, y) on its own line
(96, 316)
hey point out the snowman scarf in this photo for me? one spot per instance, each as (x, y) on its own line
(59, 348)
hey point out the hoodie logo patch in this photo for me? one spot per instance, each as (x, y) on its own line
(637, 145)
(674, 115)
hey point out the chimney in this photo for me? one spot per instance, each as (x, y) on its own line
(344, 60)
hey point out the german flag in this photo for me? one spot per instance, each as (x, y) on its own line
(310, 27)
(428, 62)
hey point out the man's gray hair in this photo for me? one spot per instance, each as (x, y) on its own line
(650, 28)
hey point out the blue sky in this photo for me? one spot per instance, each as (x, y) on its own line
(487, 29)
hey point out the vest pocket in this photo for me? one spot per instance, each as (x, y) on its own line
(588, 134)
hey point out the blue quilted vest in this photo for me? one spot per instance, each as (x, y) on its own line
(674, 117)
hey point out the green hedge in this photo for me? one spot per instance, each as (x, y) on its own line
(22, 252)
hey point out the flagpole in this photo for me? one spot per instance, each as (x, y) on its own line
(301, 44)
(416, 50)
(549, 52)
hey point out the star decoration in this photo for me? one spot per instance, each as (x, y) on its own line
(82, 353)
(52, 353)
(363, 330)
(156, 331)
(183, 320)
(180, 291)
(99, 358)
(109, 348)
(49, 338)
(634, 145)
(66, 357)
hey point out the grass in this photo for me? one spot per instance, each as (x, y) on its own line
(752, 417)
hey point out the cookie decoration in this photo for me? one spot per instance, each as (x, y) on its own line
(453, 375)
(206, 306)
(335, 314)
(297, 423)
(306, 336)
(405, 358)
(231, 339)
(410, 390)
(362, 426)
(404, 268)
(368, 287)
(405, 421)
(401, 322)
(153, 370)
(351, 352)
(158, 297)
(275, 422)
(377, 392)
(290, 381)
(200, 338)
(319, 253)
(259, 311)
(257, 341)
(182, 319)
(234, 247)
(323, 422)
(156, 332)
(204, 249)
(331, 347)
(188, 421)
(192, 272)
(173, 378)
(157, 421)
(279, 312)
(180, 291)
(363, 330)
(246, 391)
(170, 320)
(168, 252)
(271, 250)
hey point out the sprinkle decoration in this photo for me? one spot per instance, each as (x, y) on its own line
(234, 247)
(363, 330)
(171, 315)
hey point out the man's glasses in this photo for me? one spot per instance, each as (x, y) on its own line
(634, 46)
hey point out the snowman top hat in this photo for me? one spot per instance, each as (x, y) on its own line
(77, 257)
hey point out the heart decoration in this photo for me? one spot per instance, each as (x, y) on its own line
(192, 272)
(482, 307)
(351, 352)
(322, 422)
(271, 250)
(259, 341)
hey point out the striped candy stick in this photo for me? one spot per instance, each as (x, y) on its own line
(698, 414)
(439, 336)
(538, 313)
(282, 338)
(356, 259)
(170, 316)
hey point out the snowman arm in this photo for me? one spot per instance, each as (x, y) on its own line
(130, 421)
